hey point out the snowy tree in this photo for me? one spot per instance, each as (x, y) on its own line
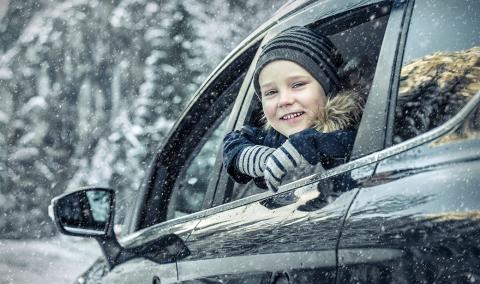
(90, 88)
(51, 62)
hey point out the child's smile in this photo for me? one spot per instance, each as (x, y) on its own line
(291, 97)
(291, 116)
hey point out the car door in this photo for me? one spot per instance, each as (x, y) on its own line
(179, 184)
(253, 236)
(416, 220)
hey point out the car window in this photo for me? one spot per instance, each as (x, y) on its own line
(198, 150)
(180, 178)
(189, 191)
(440, 69)
(358, 37)
(181, 172)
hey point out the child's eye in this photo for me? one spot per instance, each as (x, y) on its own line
(269, 93)
(298, 84)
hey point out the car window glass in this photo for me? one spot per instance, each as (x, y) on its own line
(441, 65)
(199, 151)
(358, 39)
(189, 191)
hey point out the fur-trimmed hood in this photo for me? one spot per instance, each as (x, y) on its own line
(341, 112)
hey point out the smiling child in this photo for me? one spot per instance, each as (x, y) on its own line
(310, 119)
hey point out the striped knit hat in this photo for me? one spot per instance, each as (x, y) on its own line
(313, 51)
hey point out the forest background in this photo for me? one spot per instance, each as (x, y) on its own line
(89, 88)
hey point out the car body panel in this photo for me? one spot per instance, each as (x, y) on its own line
(425, 204)
(272, 230)
(295, 232)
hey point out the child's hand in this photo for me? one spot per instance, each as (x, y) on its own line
(252, 160)
(284, 160)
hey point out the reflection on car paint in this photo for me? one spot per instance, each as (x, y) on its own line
(427, 209)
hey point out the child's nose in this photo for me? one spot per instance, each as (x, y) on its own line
(285, 98)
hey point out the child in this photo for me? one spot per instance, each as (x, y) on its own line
(310, 120)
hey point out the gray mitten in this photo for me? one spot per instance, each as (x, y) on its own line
(285, 162)
(252, 160)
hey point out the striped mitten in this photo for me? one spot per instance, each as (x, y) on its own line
(286, 159)
(252, 159)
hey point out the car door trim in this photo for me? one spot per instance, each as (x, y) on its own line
(256, 263)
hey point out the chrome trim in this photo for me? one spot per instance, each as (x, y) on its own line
(84, 231)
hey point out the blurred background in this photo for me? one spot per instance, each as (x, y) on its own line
(88, 90)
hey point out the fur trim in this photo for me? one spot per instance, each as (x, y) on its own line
(341, 111)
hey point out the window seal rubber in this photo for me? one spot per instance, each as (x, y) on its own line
(396, 76)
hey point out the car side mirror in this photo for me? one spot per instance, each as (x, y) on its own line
(89, 212)
(86, 212)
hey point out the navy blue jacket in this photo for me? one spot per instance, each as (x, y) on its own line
(331, 149)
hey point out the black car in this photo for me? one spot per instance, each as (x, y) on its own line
(404, 208)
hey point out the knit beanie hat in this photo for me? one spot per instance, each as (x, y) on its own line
(311, 50)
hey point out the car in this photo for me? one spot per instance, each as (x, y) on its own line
(404, 208)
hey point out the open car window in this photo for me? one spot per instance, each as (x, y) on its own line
(358, 36)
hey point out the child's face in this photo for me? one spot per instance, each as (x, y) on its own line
(291, 97)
